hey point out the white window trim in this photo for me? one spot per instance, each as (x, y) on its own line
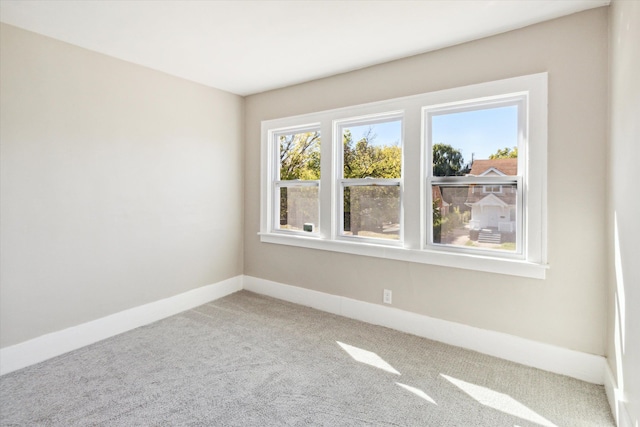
(414, 210)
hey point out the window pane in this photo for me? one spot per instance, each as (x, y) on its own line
(372, 211)
(299, 156)
(373, 150)
(469, 216)
(480, 142)
(299, 208)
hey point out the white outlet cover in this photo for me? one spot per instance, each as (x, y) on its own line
(386, 296)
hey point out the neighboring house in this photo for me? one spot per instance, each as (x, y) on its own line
(494, 167)
(493, 207)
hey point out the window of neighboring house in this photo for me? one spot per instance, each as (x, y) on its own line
(454, 178)
(475, 144)
(492, 188)
(369, 179)
(296, 180)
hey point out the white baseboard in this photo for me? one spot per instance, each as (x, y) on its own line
(583, 366)
(54, 344)
(616, 401)
(307, 297)
(531, 353)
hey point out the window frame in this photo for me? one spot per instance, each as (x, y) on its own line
(277, 183)
(412, 247)
(342, 182)
(496, 101)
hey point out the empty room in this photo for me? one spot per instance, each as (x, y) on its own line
(332, 213)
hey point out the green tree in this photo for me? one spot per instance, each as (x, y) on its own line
(362, 159)
(368, 205)
(300, 156)
(505, 153)
(448, 161)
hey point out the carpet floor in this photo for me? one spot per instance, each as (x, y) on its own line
(250, 360)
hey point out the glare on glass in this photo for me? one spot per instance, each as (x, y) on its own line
(299, 208)
(372, 211)
(475, 216)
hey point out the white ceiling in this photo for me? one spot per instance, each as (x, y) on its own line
(247, 47)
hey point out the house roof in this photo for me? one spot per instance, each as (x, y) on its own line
(476, 193)
(492, 200)
(502, 166)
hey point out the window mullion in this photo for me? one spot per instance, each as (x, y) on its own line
(480, 180)
(327, 182)
(370, 181)
(296, 183)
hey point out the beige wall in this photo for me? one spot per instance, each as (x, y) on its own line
(567, 309)
(624, 204)
(120, 185)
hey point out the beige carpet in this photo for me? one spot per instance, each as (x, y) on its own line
(249, 360)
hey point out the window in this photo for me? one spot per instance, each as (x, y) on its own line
(296, 180)
(490, 134)
(454, 178)
(492, 188)
(371, 173)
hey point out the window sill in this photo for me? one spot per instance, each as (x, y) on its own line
(445, 259)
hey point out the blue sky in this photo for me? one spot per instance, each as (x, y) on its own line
(388, 133)
(477, 132)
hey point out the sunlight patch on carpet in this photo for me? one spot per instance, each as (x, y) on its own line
(500, 401)
(417, 392)
(367, 357)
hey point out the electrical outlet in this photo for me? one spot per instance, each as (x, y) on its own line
(386, 296)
